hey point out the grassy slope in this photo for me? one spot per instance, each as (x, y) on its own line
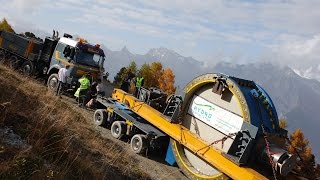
(61, 144)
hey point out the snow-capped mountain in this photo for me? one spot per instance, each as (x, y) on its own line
(169, 59)
(309, 73)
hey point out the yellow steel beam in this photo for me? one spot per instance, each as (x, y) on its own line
(186, 138)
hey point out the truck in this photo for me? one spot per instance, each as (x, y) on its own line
(45, 58)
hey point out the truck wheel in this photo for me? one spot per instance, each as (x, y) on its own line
(2, 56)
(53, 82)
(14, 62)
(118, 129)
(100, 117)
(27, 68)
(138, 144)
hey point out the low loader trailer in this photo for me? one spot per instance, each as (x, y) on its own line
(124, 122)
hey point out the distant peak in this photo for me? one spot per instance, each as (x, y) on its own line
(162, 51)
(125, 49)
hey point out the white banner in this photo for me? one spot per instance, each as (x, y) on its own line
(216, 117)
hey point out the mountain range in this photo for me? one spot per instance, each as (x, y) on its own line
(296, 98)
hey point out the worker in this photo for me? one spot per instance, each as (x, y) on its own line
(126, 82)
(62, 79)
(100, 88)
(84, 86)
(91, 93)
(139, 84)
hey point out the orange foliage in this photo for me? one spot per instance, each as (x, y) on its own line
(155, 76)
(166, 81)
(5, 26)
(300, 146)
(156, 72)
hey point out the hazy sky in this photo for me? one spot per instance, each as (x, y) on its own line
(243, 30)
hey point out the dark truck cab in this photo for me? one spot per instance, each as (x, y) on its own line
(45, 58)
(82, 58)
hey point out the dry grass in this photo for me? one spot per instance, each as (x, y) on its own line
(61, 144)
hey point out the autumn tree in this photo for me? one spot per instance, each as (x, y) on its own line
(306, 165)
(318, 171)
(283, 123)
(119, 76)
(166, 81)
(154, 76)
(132, 67)
(156, 73)
(125, 71)
(5, 26)
(145, 72)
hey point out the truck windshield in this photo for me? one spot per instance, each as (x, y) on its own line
(89, 59)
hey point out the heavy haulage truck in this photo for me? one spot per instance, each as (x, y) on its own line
(224, 127)
(45, 58)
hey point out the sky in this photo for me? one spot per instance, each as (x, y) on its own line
(287, 31)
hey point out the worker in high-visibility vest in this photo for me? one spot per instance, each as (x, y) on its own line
(139, 84)
(84, 85)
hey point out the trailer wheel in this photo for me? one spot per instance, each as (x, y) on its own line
(27, 68)
(53, 82)
(100, 117)
(138, 144)
(13, 62)
(2, 56)
(118, 129)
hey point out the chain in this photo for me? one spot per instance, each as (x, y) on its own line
(269, 153)
(267, 106)
(219, 140)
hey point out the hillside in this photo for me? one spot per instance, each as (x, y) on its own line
(42, 136)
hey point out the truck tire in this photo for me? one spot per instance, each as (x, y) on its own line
(138, 144)
(100, 117)
(53, 82)
(118, 129)
(14, 62)
(27, 68)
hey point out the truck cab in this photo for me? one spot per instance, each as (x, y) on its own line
(81, 56)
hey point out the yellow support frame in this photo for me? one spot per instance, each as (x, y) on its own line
(186, 138)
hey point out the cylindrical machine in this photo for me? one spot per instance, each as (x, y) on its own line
(229, 114)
